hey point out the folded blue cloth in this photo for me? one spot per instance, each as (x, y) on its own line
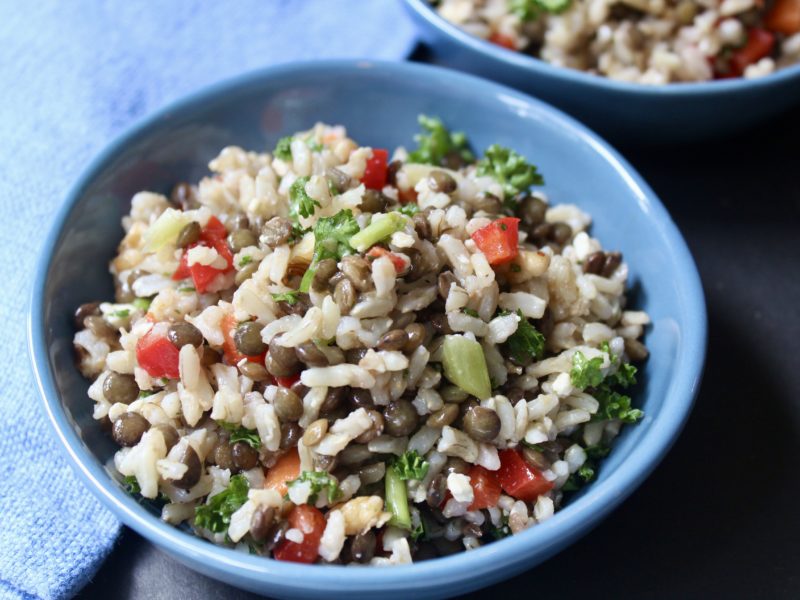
(72, 75)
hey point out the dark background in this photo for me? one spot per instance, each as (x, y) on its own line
(719, 517)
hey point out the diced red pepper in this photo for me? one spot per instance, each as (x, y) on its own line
(232, 355)
(519, 479)
(157, 355)
(498, 240)
(375, 174)
(213, 236)
(759, 45)
(502, 40)
(378, 251)
(485, 487)
(289, 381)
(784, 17)
(312, 523)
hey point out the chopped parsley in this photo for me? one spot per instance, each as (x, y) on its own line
(510, 169)
(411, 466)
(318, 481)
(121, 313)
(471, 312)
(314, 145)
(300, 203)
(188, 288)
(145, 393)
(242, 434)
(624, 377)
(132, 485)
(502, 531)
(409, 209)
(283, 149)
(289, 297)
(526, 342)
(245, 260)
(437, 143)
(579, 478)
(418, 531)
(586, 373)
(614, 405)
(530, 10)
(216, 514)
(331, 240)
(597, 451)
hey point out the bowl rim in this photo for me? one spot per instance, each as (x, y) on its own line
(540, 67)
(510, 554)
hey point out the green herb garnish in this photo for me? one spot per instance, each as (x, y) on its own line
(216, 514)
(289, 297)
(586, 373)
(300, 203)
(434, 146)
(132, 485)
(510, 169)
(245, 260)
(241, 434)
(331, 240)
(283, 149)
(409, 209)
(526, 342)
(411, 466)
(318, 481)
(530, 10)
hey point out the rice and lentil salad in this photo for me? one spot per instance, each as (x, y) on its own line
(642, 41)
(321, 355)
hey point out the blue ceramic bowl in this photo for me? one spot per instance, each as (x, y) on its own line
(628, 112)
(379, 104)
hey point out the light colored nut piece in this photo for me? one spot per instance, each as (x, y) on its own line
(363, 513)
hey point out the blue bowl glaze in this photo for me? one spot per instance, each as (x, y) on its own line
(629, 112)
(379, 104)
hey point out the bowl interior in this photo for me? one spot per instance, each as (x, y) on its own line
(379, 104)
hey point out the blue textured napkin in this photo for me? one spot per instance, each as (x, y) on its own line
(72, 75)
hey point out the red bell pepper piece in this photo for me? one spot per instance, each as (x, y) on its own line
(288, 381)
(378, 251)
(498, 240)
(377, 165)
(157, 355)
(784, 17)
(485, 487)
(312, 523)
(502, 40)
(519, 479)
(759, 45)
(213, 236)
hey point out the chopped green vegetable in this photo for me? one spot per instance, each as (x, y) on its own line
(409, 209)
(300, 203)
(132, 485)
(579, 478)
(188, 288)
(283, 149)
(597, 451)
(465, 365)
(471, 312)
(586, 373)
(318, 481)
(142, 303)
(418, 532)
(165, 229)
(245, 260)
(624, 377)
(411, 466)
(145, 393)
(530, 10)
(242, 434)
(332, 239)
(397, 499)
(289, 297)
(510, 169)
(314, 145)
(526, 342)
(614, 405)
(377, 230)
(502, 531)
(438, 143)
(121, 313)
(215, 515)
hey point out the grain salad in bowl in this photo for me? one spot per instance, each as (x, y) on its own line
(641, 41)
(327, 354)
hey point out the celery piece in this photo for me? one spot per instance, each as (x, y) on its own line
(165, 229)
(377, 231)
(465, 365)
(397, 499)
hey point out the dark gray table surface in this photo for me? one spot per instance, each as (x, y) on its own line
(719, 517)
